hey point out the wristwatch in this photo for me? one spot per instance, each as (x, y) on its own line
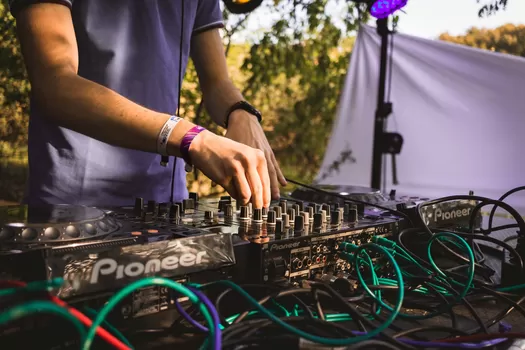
(244, 106)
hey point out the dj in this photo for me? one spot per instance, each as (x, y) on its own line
(105, 77)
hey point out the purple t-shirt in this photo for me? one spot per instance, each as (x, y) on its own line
(131, 47)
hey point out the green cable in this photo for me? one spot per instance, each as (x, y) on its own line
(130, 288)
(109, 327)
(36, 307)
(471, 270)
(323, 340)
(512, 288)
(33, 287)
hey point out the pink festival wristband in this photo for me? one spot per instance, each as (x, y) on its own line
(186, 143)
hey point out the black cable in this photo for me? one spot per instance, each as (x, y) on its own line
(328, 193)
(444, 329)
(178, 96)
(503, 197)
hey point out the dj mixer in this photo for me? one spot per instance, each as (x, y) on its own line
(97, 251)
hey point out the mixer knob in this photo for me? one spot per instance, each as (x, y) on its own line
(194, 196)
(138, 207)
(90, 229)
(299, 223)
(245, 215)
(352, 214)
(151, 206)
(208, 215)
(306, 217)
(222, 205)
(29, 233)
(326, 208)
(392, 194)
(336, 217)
(278, 211)
(163, 208)
(297, 208)
(347, 208)
(284, 205)
(147, 216)
(51, 233)
(341, 215)
(286, 220)
(300, 204)
(318, 220)
(188, 204)
(264, 212)
(324, 215)
(271, 217)
(7, 233)
(311, 212)
(250, 209)
(278, 227)
(291, 213)
(228, 210)
(174, 212)
(226, 198)
(257, 215)
(318, 208)
(72, 231)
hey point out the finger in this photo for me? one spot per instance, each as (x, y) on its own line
(280, 176)
(254, 179)
(264, 173)
(242, 185)
(274, 182)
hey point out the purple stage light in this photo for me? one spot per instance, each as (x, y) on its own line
(384, 8)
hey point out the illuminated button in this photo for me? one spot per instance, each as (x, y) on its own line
(136, 233)
(7, 233)
(72, 231)
(51, 233)
(153, 231)
(29, 233)
(103, 226)
(90, 229)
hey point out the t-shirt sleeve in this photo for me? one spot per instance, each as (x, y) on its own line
(209, 16)
(16, 5)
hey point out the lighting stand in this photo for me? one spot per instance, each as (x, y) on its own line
(383, 142)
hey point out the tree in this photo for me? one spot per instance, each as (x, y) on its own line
(509, 39)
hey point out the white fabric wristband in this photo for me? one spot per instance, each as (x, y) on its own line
(164, 135)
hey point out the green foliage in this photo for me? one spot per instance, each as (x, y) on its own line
(509, 39)
(296, 72)
(14, 88)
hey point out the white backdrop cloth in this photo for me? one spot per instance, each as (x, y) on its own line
(460, 110)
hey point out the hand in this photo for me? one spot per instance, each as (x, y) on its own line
(240, 169)
(245, 128)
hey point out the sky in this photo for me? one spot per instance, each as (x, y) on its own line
(429, 18)
(423, 18)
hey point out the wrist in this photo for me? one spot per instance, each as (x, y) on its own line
(241, 116)
(176, 137)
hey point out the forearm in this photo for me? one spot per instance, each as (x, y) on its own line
(98, 112)
(219, 97)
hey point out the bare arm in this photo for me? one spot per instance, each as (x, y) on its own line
(219, 92)
(50, 52)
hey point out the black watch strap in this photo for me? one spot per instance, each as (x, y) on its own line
(244, 106)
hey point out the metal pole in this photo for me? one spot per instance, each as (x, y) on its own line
(381, 111)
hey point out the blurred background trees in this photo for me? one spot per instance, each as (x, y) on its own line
(293, 69)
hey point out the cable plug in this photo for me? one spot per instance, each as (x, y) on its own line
(348, 247)
(382, 241)
(349, 257)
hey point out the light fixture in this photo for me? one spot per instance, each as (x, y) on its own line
(384, 8)
(241, 6)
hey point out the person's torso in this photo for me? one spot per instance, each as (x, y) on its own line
(133, 48)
